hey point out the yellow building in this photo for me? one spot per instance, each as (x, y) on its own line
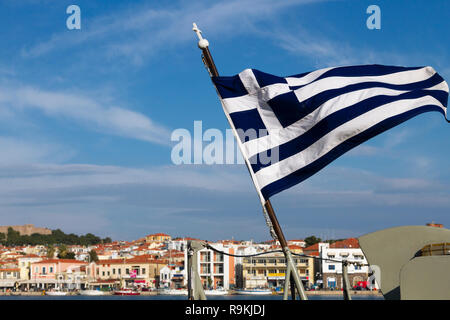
(9, 277)
(157, 237)
(24, 264)
(138, 271)
(269, 270)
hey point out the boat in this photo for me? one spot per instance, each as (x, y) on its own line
(174, 292)
(126, 292)
(56, 293)
(91, 292)
(259, 292)
(216, 292)
(415, 261)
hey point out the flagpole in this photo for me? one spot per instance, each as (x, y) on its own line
(203, 44)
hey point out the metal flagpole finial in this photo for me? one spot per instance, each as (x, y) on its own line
(202, 43)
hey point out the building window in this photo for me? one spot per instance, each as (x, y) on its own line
(119, 271)
(219, 269)
(43, 270)
(127, 271)
(205, 268)
(143, 270)
(114, 271)
(331, 267)
(205, 256)
(219, 257)
(51, 269)
(103, 273)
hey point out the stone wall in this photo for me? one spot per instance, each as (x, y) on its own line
(27, 229)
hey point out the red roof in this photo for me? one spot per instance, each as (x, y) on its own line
(158, 234)
(314, 247)
(61, 260)
(30, 256)
(10, 270)
(347, 243)
(137, 259)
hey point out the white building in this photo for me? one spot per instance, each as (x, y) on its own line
(179, 244)
(215, 269)
(337, 252)
(172, 276)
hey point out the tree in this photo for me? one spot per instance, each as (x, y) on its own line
(70, 255)
(93, 255)
(62, 251)
(13, 237)
(51, 251)
(309, 241)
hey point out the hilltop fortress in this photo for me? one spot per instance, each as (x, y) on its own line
(26, 229)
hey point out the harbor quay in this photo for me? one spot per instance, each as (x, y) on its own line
(157, 264)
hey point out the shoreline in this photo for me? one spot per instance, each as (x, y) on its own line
(152, 293)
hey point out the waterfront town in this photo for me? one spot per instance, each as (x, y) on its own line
(159, 262)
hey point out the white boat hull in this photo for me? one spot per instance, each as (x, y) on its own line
(174, 292)
(91, 293)
(56, 293)
(253, 292)
(216, 292)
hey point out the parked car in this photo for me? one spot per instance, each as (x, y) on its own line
(359, 288)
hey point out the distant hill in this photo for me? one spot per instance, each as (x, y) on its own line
(15, 238)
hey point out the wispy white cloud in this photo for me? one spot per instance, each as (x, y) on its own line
(199, 197)
(350, 187)
(141, 31)
(85, 110)
(71, 176)
(19, 151)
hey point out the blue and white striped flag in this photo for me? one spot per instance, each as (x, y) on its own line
(306, 121)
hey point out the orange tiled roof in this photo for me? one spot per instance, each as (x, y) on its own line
(10, 270)
(60, 260)
(137, 259)
(30, 256)
(158, 235)
(314, 247)
(347, 243)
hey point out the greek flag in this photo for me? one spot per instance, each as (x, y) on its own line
(301, 123)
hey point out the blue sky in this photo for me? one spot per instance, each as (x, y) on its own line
(86, 116)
